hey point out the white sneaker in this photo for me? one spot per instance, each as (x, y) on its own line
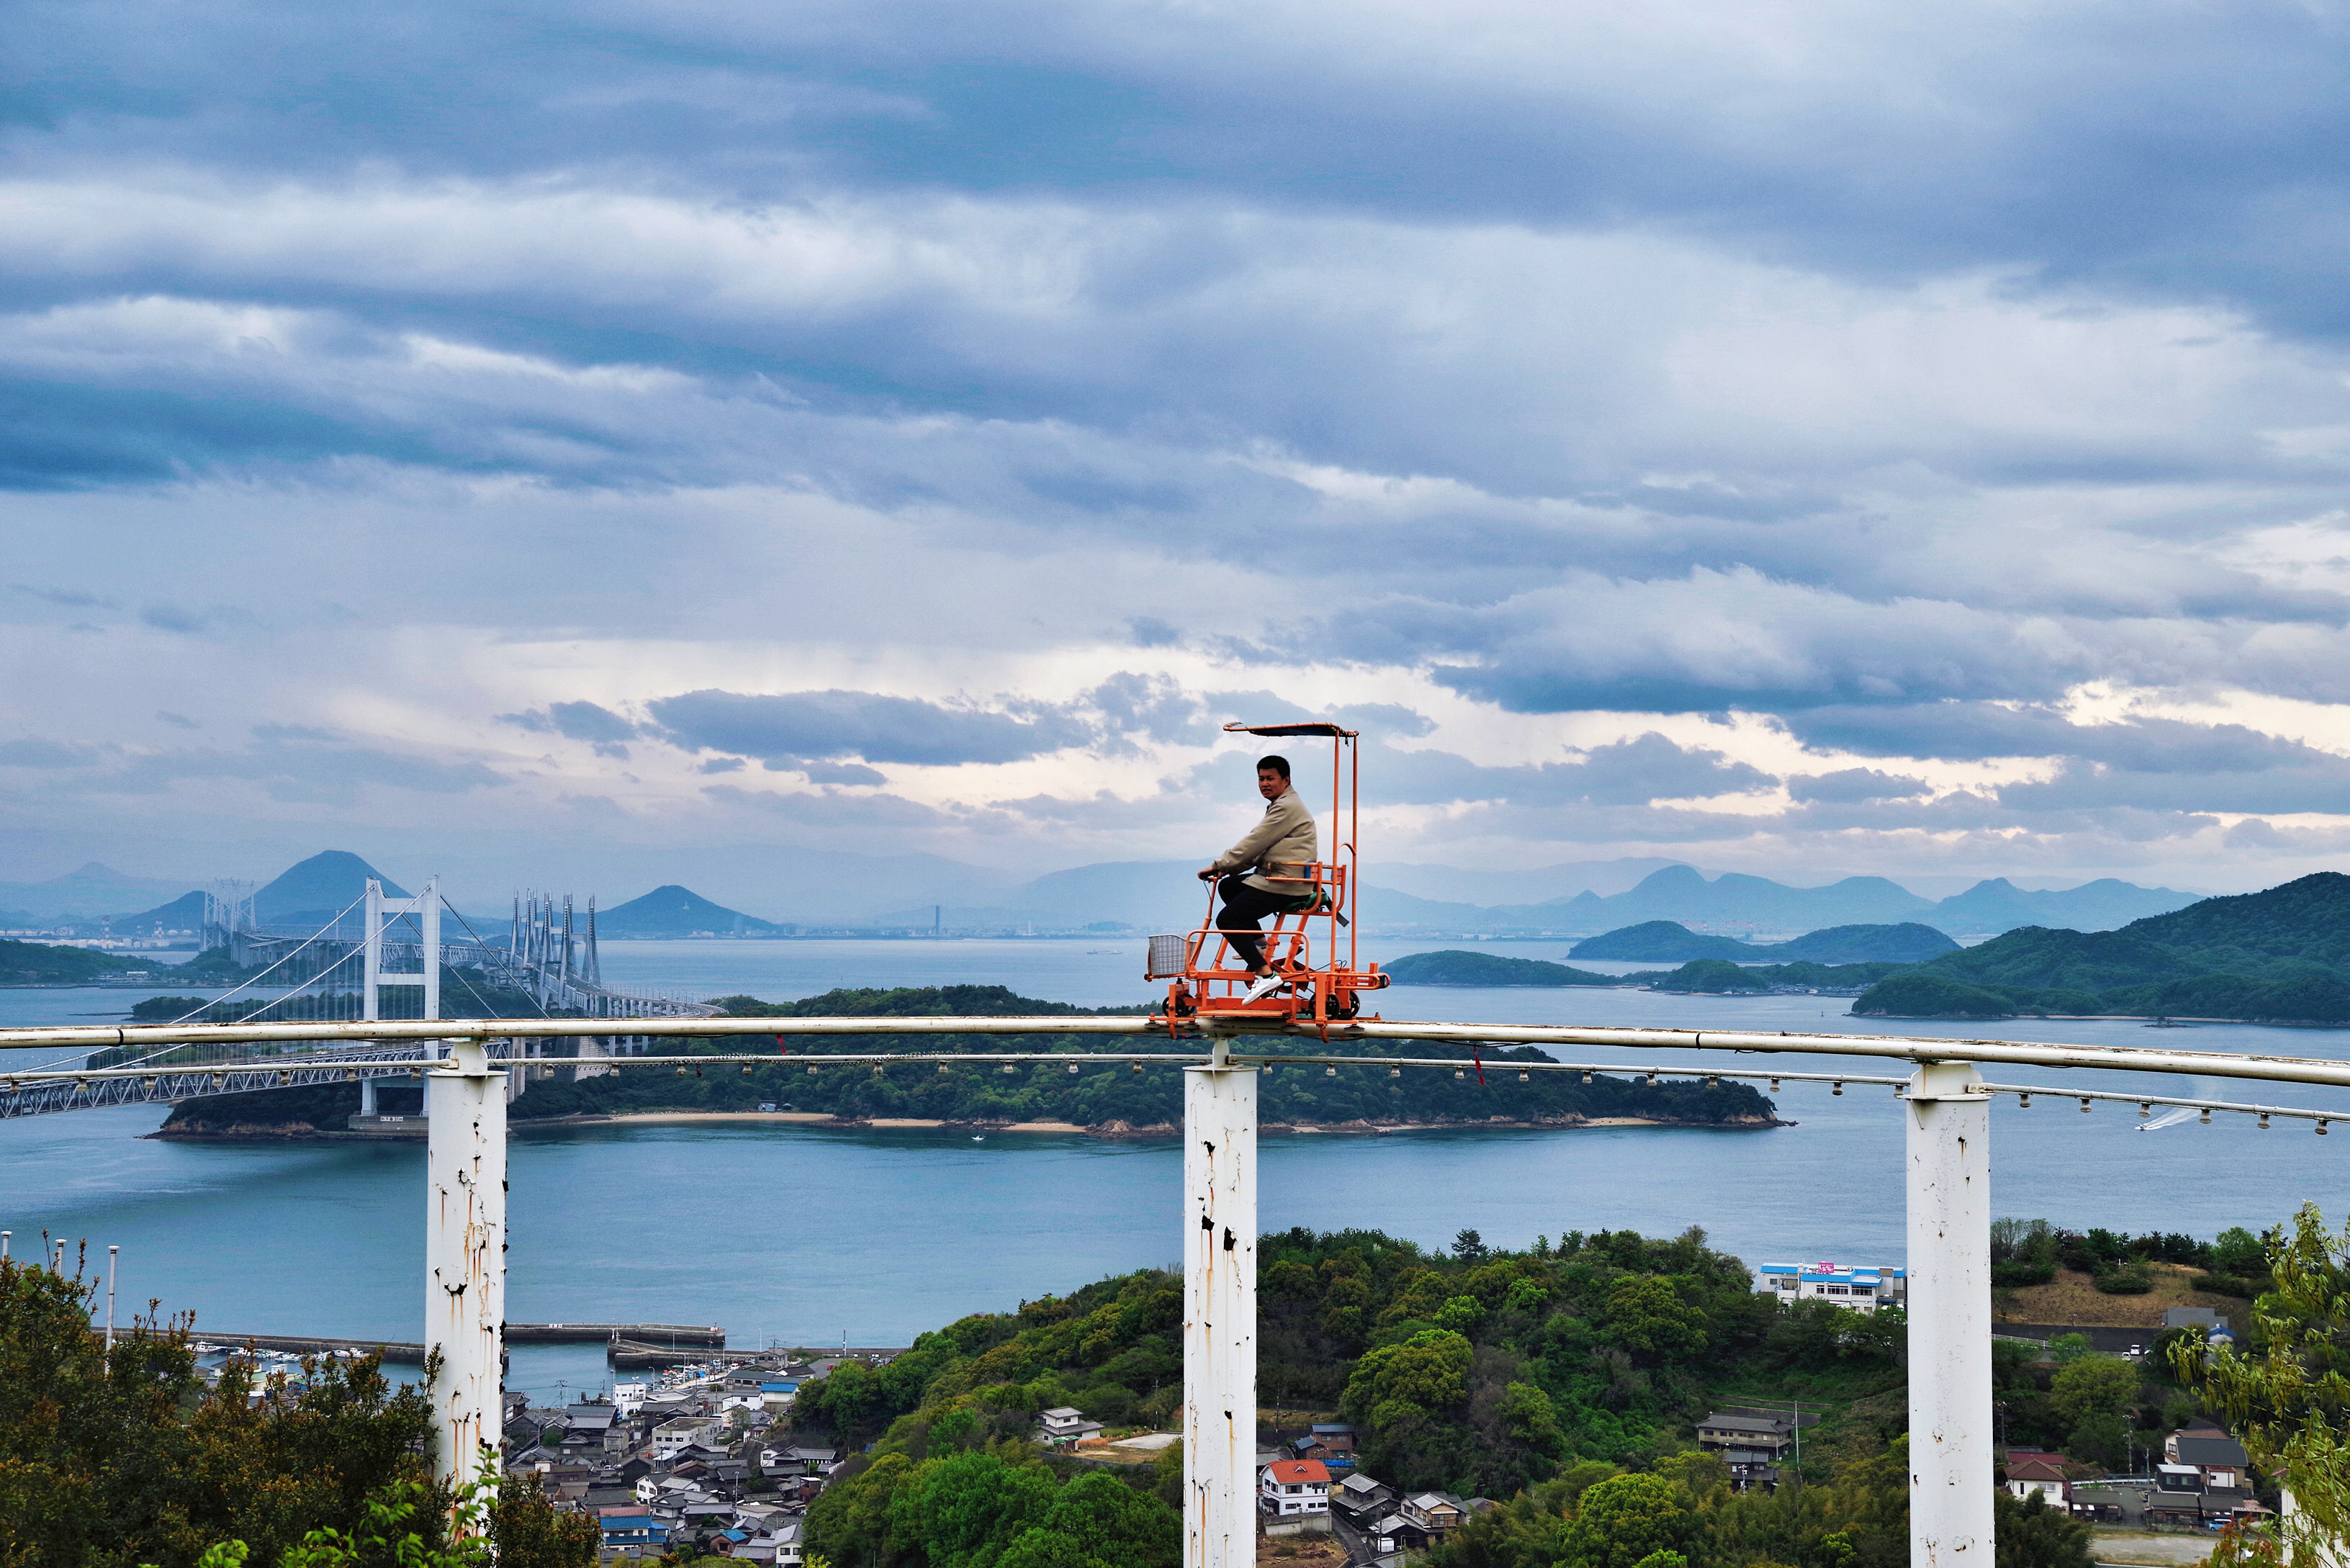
(1265, 987)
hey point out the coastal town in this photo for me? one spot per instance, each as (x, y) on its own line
(704, 1458)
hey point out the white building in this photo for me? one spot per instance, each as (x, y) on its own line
(679, 1433)
(1294, 1489)
(1856, 1286)
(1065, 1425)
(2031, 1470)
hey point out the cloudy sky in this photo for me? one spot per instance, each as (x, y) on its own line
(535, 440)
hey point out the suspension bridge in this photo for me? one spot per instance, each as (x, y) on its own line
(393, 963)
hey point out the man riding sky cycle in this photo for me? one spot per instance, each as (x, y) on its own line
(1268, 872)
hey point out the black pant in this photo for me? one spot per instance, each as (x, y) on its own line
(1245, 907)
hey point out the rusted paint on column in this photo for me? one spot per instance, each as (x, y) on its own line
(1219, 1317)
(464, 1253)
(1949, 1154)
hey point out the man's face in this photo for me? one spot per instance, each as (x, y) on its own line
(1269, 784)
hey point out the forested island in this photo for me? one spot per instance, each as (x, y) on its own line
(47, 963)
(1669, 941)
(1461, 966)
(2275, 956)
(1104, 1097)
(2282, 956)
(1108, 1097)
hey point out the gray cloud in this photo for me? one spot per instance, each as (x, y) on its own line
(831, 808)
(793, 728)
(1155, 707)
(1628, 773)
(1623, 365)
(167, 617)
(293, 764)
(2320, 783)
(1977, 731)
(604, 730)
(1855, 785)
(69, 598)
(35, 753)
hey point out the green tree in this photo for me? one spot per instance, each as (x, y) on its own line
(1101, 1520)
(2091, 1396)
(2028, 1534)
(1530, 1418)
(112, 1459)
(1624, 1519)
(851, 1519)
(962, 1511)
(1645, 1316)
(2289, 1399)
(2237, 1252)
(1428, 1371)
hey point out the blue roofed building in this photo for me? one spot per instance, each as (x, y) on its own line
(1855, 1286)
(631, 1532)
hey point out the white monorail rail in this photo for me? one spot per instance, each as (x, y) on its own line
(269, 1073)
(1947, 1122)
(1883, 1047)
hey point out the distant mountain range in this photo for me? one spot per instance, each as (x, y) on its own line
(92, 891)
(1685, 896)
(1163, 895)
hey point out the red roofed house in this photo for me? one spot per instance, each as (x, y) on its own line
(1295, 1489)
(2030, 1470)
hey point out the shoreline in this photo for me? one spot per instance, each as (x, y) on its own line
(304, 1132)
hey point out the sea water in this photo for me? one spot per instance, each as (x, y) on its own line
(810, 1236)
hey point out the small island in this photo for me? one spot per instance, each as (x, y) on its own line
(1457, 966)
(1083, 1094)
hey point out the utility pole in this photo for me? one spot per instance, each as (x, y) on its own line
(112, 1254)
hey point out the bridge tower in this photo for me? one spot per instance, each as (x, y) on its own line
(426, 908)
(228, 918)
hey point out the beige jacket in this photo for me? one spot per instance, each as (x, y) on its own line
(1282, 843)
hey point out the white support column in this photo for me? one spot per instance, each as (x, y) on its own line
(1219, 1315)
(1949, 1153)
(465, 1252)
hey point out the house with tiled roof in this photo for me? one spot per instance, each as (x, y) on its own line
(1296, 1490)
(2031, 1470)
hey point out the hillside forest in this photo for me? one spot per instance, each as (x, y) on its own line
(1561, 1382)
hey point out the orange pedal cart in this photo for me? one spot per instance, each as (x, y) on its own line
(1311, 946)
